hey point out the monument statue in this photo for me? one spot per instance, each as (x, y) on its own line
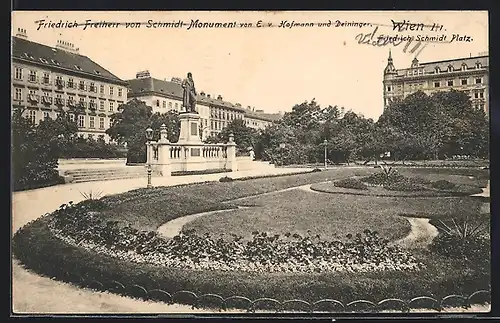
(189, 94)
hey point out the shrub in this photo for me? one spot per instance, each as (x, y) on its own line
(382, 178)
(351, 183)
(403, 185)
(464, 238)
(225, 179)
(316, 170)
(443, 185)
(419, 180)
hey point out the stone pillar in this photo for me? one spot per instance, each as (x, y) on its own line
(164, 162)
(190, 127)
(231, 154)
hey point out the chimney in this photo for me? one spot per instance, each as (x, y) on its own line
(142, 74)
(67, 46)
(21, 33)
(176, 80)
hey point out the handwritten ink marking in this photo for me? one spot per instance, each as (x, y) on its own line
(383, 40)
(287, 24)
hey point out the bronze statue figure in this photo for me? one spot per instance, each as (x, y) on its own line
(189, 94)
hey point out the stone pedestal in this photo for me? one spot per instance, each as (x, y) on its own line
(190, 128)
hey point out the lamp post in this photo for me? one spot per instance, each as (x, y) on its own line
(325, 142)
(149, 136)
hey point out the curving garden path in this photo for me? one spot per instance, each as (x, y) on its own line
(32, 293)
(35, 294)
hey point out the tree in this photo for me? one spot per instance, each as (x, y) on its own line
(244, 136)
(443, 124)
(131, 123)
(36, 149)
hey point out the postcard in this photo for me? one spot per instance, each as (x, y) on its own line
(304, 162)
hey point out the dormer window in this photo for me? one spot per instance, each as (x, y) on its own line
(55, 62)
(450, 68)
(478, 65)
(436, 70)
(78, 67)
(464, 67)
(43, 60)
(97, 72)
(28, 55)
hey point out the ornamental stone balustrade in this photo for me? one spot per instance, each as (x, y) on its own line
(189, 153)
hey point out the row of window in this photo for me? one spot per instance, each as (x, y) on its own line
(70, 83)
(437, 70)
(462, 82)
(93, 121)
(33, 97)
(177, 105)
(479, 80)
(219, 114)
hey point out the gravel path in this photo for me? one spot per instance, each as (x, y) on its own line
(421, 234)
(35, 294)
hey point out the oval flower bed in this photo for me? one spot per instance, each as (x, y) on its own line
(366, 252)
(395, 185)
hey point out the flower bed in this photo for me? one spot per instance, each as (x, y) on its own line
(351, 183)
(120, 252)
(77, 225)
(41, 251)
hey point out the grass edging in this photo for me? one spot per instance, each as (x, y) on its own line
(39, 250)
(370, 192)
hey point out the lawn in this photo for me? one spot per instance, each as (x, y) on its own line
(308, 213)
(330, 216)
(147, 209)
(294, 211)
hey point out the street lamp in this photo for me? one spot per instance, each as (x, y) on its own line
(149, 137)
(325, 142)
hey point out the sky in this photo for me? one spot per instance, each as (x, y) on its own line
(269, 68)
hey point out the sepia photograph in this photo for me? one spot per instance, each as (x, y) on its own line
(250, 162)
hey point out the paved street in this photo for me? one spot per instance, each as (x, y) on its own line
(34, 294)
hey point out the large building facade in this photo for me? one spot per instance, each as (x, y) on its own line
(215, 113)
(47, 80)
(470, 74)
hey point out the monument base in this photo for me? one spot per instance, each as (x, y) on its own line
(190, 128)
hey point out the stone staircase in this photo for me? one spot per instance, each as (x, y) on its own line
(95, 173)
(80, 175)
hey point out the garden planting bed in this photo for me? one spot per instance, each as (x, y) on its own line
(111, 241)
(408, 185)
